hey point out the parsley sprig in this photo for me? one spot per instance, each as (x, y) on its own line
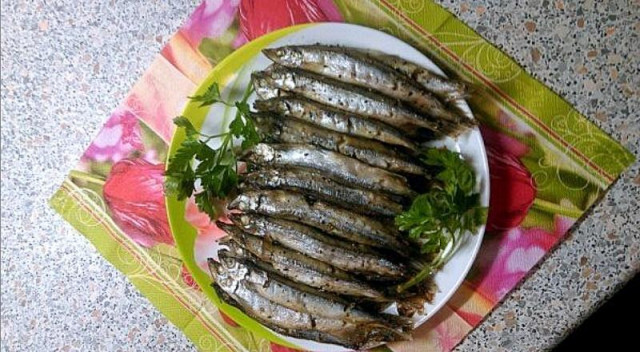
(216, 169)
(439, 219)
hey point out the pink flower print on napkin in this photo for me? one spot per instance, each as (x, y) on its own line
(206, 244)
(259, 17)
(119, 137)
(505, 259)
(134, 193)
(210, 20)
(512, 187)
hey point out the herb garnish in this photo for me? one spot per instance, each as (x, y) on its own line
(216, 168)
(439, 218)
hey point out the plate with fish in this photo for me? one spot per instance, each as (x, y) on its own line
(344, 178)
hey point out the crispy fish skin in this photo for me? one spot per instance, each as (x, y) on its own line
(298, 267)
(334, 119)
(314, 244)
(347, 66)
(331, 219)
(237, 292)
(336, 166)
(278, 80)
(321, 187)
(291, 131)
(446, 89)
(304, 299)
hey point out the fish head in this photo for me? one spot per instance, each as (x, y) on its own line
(229, 271)
(286, 55)
(281, 77)
(248, 223)
(264, 86)
(267, 124)
(243, 202)
(260, 154)
(231, 252)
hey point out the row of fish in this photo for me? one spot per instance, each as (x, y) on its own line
(312, 250)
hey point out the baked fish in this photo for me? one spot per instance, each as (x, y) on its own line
(315, 244)
(352, 67)
(334, 119)
(336, 166)
(277, 129)
(319, 186)
(296, 266)
(323, 216)
(278, 80)
(233, 288)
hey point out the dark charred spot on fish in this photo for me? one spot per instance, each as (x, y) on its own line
(261, 199)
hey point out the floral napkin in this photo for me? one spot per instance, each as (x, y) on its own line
(548, 164)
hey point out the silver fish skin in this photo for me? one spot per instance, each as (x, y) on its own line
(345, 65)
(314, 244)
(297, 267)
(446, 89)
(292, 131)
(338, 167)
(305, 299)
(278, 80)
(335, 120)
(237, 292)
(328, 218)
(321, 187)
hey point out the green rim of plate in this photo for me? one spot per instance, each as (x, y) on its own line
(183, 233)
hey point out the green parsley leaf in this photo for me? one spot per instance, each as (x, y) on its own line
(183, 122)
(236, 127)
(211, 96)
(203, 201)
(439, 219)
(215, 168)
(251, 136)
(183, 157)
(454, 172)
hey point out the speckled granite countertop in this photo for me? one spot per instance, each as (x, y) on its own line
(67, 64)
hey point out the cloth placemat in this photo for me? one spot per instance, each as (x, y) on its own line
(548, 163)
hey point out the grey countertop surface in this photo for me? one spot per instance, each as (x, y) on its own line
(67, 64)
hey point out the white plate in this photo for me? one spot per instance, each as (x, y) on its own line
(470, 144)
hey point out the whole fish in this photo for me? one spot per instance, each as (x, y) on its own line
(278, 80)
(315, 244)
(446, 89)
(351, 67)
(234, 290)
(291, 131)
(296, 266)
(334, 119)
(317, 185)
(340, 168)
(303, 298)
(331, 219)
